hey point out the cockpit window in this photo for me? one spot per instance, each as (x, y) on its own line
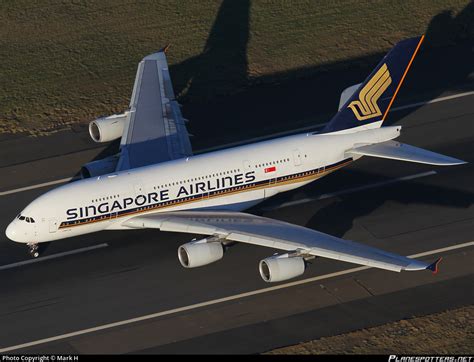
(25, 218)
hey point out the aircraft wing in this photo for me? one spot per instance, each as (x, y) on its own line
(155, 130)
(251, 229)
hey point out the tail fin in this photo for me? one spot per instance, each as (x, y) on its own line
(371, 102)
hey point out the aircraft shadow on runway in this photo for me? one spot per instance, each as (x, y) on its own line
(255, 109)
(305, 93)
(336, 215)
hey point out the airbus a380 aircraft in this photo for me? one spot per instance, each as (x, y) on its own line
(156, 182)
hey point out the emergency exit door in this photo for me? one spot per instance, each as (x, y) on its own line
(297, 159)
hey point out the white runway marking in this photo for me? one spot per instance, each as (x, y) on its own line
(351, 190)
(54, 256)
(217, 301)
(436, 100)
(252, 140)
(320, 125)
(37, 186)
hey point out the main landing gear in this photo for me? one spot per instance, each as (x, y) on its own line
(34, 250)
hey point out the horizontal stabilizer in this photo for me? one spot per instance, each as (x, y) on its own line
(399, 151)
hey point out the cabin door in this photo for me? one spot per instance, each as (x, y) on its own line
(297, 159)
(138, 188)
(53, 225)
(247, 166)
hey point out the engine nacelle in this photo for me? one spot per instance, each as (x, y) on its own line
(281, 267)
(109, 128)
(99, 167)
(199, 253)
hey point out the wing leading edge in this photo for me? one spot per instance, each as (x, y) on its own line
(251, 229)
(155, 130)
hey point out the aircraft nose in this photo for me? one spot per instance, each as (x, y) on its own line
(11, 231)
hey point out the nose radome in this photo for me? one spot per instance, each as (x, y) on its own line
(11, 232)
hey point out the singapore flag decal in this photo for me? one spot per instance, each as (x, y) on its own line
(270, 169)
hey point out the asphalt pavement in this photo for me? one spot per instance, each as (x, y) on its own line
(401, 207)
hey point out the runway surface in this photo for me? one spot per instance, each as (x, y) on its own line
(67, 301)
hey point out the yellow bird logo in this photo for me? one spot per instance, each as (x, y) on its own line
(366, 107)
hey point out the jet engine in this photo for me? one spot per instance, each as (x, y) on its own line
(100, 167)
(199, 253)
(109, 128)
(281, 267)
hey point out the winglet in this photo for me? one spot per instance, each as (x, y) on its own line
(434, 266)
(165, 48)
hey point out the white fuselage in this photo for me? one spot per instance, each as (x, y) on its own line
(230, 179)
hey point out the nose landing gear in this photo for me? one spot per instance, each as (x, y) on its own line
(33, 249)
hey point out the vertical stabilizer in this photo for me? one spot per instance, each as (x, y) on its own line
(369, 104)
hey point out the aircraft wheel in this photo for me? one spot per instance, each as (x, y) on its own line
(34, 252)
